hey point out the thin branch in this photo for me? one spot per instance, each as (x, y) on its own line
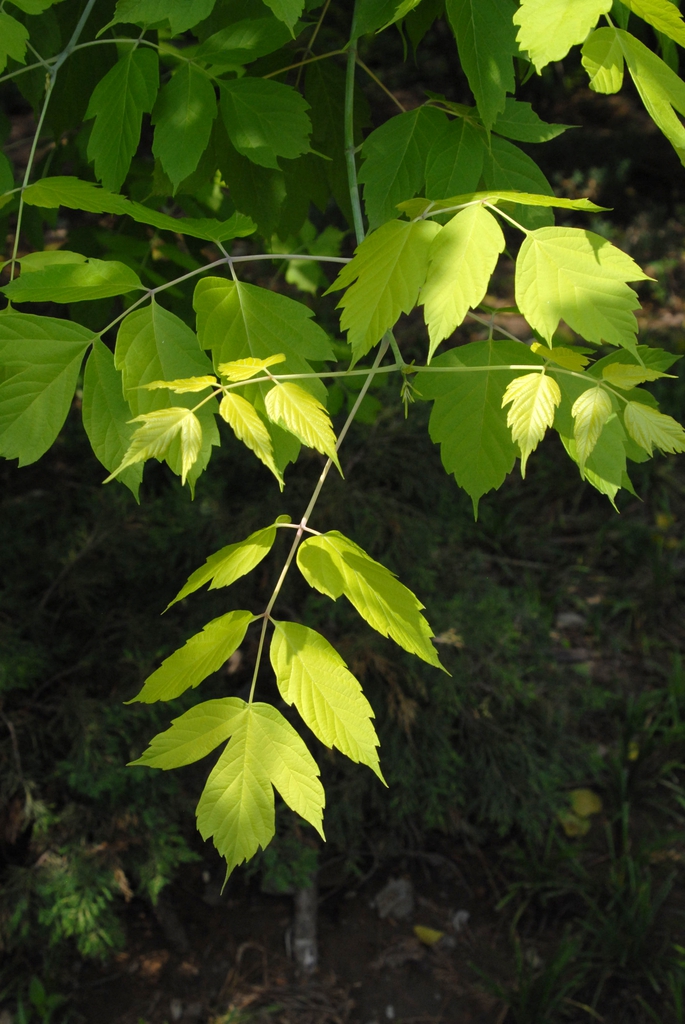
(378, 82)
(350, 157)
(301, 63)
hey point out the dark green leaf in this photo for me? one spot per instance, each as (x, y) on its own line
(265, 120)
(183, 116)
(455, 160)
(106, 415)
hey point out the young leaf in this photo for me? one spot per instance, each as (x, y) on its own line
(520, 122)
(13, 39)
(462, 258)
(237, 804)
(200, 656)
(394, 161)
(180, 14)
(183, 386)
(623, 375)
(74, 282)
(569, 358)
(419, 207)
(243, 369)
(663, 15)
(467, 420)
(660, 89)
(183, 116)
(533, 398)
(158, 432)
(602, 58)
(194, 734)
(241, 321)
(590, 412)
(508, 168)
(311, 675)
(486, 41)
(335, 565)
(118, 103)
(107, 414)
(549, 28)
(652, 429)
(577, 276)
(383, 280)
(247, 426)
(243, 41)
(298, 411)
(265, 119)
(230, 563)
(455, 159)
(40, 358)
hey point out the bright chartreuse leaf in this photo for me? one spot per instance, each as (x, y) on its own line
(180, 14)
(236, 808)
(663, 15)
(243, 41)
(265, 120)
(394, 161)
(303, 415)
(230, 563)
(183, 116)
(569, 358)
(605, 468)
(383, 280)
(311, 675)
(118, 103)
(243, 369)
(623, 375)
(40, 358)
(533, 398)
(590, 412)
(602, 58)
(107, 414)
(660, 89)
(335, 565)
(462, 259)
(248, 427)
(652, 429)
(486, 42)
(421, 207)
(508, 168)
(194, 734)
(467, 420)
(580, 277)
(240, 321)
(549, 28)
(48, 258)
(74, 282)
(455, 160)
(158, 431)
(199, 657)
(183, 386)
(520, 122)
(13, 39)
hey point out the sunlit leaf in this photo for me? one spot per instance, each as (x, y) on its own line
(533, 399)
(590, 411)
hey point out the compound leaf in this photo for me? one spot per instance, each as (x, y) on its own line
(652, 429)
(577, 276)
(265, 120)
(74, 282)
(461, 261)
(200, 656)
(299, 412)
(383, 280)
(107, 414)
(534, 398)
(40, 358)
(246, 424)
(486, 41)
(549, 28)
(158, 432)
(311, 675)
(183, 116)
(335, 565)
(590, 412)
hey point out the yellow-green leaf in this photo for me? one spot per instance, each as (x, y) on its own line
(602, 58)
(663, 15)
(245, 423)
(243, 369)
(183, 385)
(652, 429)
(312, 676)
(590, 412)
(159, 430)
(585, 802)
(534, 398)
(296, 410)
(660, 89)
(419, 207)
(569, 358)
(627, 376)
(549, 28)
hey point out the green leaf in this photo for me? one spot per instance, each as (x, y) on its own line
(577, 276)
(106, 415)
(259, 192)
(245, 422)
(534, 398)
(230, 563)
(40, 359)
(569, 358)
(118, 103)
(287, 11)
(590, 412)
(6, 178)
(183, 116)
(186, 385)
(200, 656)
(335, 565)
(383, 280)
(244, 369)
(299, 412)
(663, 15)
(265, 119)
(602, 58)
(237, 805)
(660, 89)
(180, 14)
(194, 734)
(462, 259)
(312, 676)
(419, 207)
(467, 420)
(372, 15)
(394, 161)
(159, 430)
(508, 168)
(625, 376)
(238, 321)
(243, 42)
(519, 121)
(33, 6)
(74, 282)
(549, 28)
(486, 41)
(402, 9)
(13, 39)
(652, 429)
(455, 160)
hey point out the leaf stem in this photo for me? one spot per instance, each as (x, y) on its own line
(496, 209)
(350, 157)
(378, 82)
(301, 63)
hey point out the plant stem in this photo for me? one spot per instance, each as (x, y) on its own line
(380, 85)
(350, 157)
(302, 63)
